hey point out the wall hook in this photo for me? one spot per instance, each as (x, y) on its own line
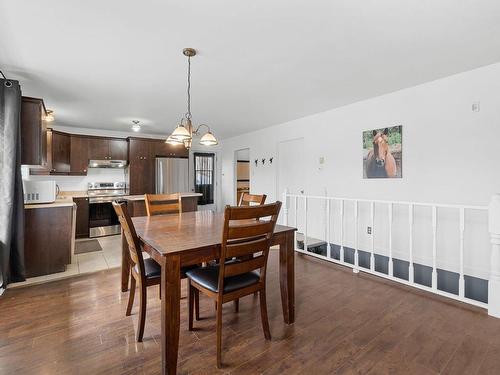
(263, 161)
(256, 161)
(271, 160)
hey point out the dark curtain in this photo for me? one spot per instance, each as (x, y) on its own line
(11, 188)
(204, 177)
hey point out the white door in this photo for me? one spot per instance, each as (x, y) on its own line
(290, 173)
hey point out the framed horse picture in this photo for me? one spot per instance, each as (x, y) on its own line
(383, 152)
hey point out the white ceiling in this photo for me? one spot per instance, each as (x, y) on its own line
(100, 64)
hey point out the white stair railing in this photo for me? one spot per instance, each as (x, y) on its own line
(343, 221)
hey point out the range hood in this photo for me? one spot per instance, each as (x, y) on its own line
(107, 163)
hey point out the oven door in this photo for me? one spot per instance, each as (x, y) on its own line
(102, 219)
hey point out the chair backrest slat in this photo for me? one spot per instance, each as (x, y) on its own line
(157, 204)
(246, 247)
(255, 229)
(247, 199)
(130, 234)
(243, 235)
(238, 268)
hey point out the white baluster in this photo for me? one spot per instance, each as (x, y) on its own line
(391, 266)
(434, 247)
(305, 223)
(356, 255)
(411, 271)
(494, 281)
(342, 230)
(372, 222)
(328, 246)
(461, 280)
(285, 207)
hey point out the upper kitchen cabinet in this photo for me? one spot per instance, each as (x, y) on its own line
(59, 144)
(98, 148)
(107, 148)
(118, 149)
(161, 148)
(33, 132)
(79, 159)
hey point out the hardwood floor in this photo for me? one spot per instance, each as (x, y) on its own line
(345, 324)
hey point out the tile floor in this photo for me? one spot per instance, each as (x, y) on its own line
(109, 257)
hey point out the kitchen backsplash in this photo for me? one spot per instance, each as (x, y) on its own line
(79, 183)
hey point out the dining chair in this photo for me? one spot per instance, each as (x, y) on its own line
(157, 204)
(247, 199)
(244, 233)
(145, 272)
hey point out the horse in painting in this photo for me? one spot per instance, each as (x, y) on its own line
(380, 163)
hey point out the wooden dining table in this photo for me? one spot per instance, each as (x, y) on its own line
(179, 240)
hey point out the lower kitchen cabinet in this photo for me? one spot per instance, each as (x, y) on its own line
(47, 239)
(82, 217)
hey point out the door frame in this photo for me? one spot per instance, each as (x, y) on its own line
(213, 206)
(235, 172)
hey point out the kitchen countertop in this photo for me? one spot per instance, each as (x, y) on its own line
(65, 199)
(61, 201)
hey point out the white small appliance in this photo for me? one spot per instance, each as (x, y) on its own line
(39, 191)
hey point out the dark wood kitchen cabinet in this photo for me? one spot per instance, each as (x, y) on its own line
(98, 148)
(107, 148)
(47, 240)
(82, 217)
(60, 144)
(141, 166)
(33, 132)
(79, 159)
(118, 149)
(162, 148)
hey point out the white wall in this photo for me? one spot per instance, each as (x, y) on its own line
(450, 153)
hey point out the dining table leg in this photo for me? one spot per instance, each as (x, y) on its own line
(170, 313)
(287, 277)
(125, 264)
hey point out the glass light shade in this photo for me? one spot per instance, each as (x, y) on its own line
(173, 141)
(181, 133)
(208, 140)
(50, 116)
(136, 127)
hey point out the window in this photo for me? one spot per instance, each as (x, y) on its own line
(204, 177)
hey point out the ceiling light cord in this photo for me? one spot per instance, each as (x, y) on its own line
(188, 114)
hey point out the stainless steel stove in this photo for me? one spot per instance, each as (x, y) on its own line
(102, 217)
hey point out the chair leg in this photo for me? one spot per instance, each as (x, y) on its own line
(236, 303)
(263, 314)
(219, 335)
(197, 303)
(142, 311)
(191, 294)
(131, 295)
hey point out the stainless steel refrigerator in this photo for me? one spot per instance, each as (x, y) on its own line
(171, 175)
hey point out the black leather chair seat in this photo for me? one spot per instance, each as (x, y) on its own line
(153, 269)
(208, 277)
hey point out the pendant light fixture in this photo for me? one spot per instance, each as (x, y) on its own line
(183, 134)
